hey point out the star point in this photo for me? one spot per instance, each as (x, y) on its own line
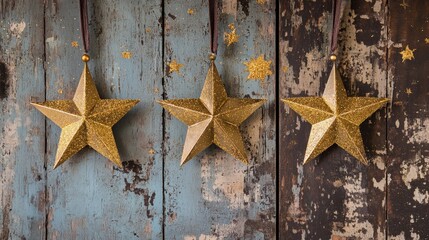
(335, 118)
(214, 118)
(86, 120)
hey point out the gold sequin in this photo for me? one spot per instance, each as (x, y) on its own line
(232, 36)
(258, 68)
(174, 66)
(407, 54)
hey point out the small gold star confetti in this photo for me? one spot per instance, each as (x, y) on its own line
(127, 55)
(232, 36)
(191, 11)
(407, 54)
(335, 118)
(151, 151)
(214, 118)
(408, 91)
(86, 120)
(284, 69)
(261, 1)
(258, 68)
(148, 30)
(174, 66)
(427, 40)
(60, 91)
(404, 4)
(75, 44)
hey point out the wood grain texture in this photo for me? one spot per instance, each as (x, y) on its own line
(408, 169)
(88, 197)
(334, 196)
(22, 130)
(215, 196)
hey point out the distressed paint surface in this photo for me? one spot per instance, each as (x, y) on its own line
(213, 196)
(333, 196)
(22, 141)
(408, 169)
(89, 198)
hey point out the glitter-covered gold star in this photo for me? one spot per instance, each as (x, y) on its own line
(214, 118)
(427, 40)
(86, 120)
(258, 68)
(407, 54)
(174, 66)
(335, 118)
(231, 37)
(408, 91)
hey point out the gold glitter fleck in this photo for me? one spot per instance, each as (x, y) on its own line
(284, 69)
(232, 36)
(148, 30)
(260, 2)
(427, 40)
(151, 151)
(75, 44)
(174, 66)
(408, 91)
(404, 5)
(191, 11)
(127, 55)
(60, 91)
(407, 54)
(258, 68)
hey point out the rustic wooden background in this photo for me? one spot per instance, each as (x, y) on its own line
(214, 196)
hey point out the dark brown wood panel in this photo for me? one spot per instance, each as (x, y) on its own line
(334, 196)
(408, 170)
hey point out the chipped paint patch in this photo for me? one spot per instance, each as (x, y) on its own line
(229, 7)
(17, 28)
(355, 225)
(417, 131)
(421, 196)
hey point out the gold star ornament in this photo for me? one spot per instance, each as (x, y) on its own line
(214, 118)
(86, 120)
(335, 118)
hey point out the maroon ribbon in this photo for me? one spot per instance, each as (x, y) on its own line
(337, 9)
(84, 24)
(213, 12)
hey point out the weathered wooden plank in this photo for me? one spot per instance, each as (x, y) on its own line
(334, 196)
(215, 196)
(22, 142)
(88, 197)
(408, 169)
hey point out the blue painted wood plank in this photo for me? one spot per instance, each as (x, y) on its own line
(22, 141)
(215, 196)
(88, 197)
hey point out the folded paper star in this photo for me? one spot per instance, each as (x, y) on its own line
(335, 118)
(213, 118)
(86, 120)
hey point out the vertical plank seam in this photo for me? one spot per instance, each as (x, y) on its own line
(163, 115)
(277, 118)
(45, 162)
(387, 159)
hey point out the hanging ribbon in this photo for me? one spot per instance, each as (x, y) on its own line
(213, 12)
(337, 12)
(84, 24)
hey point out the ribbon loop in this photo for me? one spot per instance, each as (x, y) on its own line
(84, 24)
(213, 12)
